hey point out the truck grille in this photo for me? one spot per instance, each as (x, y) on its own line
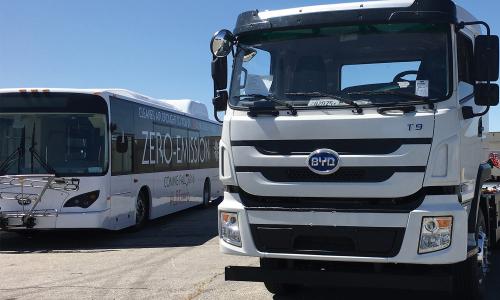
(403, 205)
(326, 240)
(352, 174)
(351, 146)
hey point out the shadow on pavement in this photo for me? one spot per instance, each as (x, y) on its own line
(344, 294)
(492, 290)
(192, 227)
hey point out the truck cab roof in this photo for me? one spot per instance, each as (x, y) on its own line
(367, 12)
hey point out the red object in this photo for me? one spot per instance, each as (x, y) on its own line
(495, 162)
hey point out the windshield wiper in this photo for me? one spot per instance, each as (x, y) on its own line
(350, 102)
(36, 156)
(11, 158)
(269, 98)
(395, 93)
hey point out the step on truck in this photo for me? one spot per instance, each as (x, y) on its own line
(352, 149)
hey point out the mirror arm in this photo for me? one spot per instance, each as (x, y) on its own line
(468, 113)
(217, 117)
(482, 113)
(462, 25)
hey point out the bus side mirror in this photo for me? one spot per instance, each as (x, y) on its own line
(486, 58)
(486, 94)
(121, 144)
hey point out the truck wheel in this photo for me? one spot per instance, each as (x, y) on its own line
(275, 287)
(469, 276)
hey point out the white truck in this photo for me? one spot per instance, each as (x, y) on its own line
(352, 149)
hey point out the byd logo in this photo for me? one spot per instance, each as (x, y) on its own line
(324, 162)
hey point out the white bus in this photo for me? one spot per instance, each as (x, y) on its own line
(106, 159)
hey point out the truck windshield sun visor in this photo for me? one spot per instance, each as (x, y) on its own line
(420, 11)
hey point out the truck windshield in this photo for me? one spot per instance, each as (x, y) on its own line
(49, 140)
(367, 64)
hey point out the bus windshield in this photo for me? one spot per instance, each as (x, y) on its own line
(42, 141)
(334, 66)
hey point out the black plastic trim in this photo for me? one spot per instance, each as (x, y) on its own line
(328, 240)
(358, 205)
(49, 102)
(341, 146)
(426, 11)
(441, 281)
(344, 174)
(483, 175)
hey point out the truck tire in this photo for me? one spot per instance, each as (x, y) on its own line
(469, 276)
(276, 287)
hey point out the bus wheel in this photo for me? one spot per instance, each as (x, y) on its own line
(206, 193)
(141, 210)
(470, 275)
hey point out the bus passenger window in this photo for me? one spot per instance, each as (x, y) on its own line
(121, 156)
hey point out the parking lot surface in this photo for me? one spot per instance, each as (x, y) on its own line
(175, 257)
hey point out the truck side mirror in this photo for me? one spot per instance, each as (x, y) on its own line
(486, 94)
(219, 73)
(222, 43)
(486, 58)
(220, 101)
(221, 46)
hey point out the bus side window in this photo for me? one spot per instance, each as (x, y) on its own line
(122, 137)
(121, 156)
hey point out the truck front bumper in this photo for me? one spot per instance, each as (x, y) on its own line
(437, 282)
(407, 252)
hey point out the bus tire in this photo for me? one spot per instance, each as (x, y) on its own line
(469, 276)
(141, 210)
(207, 193)
(277, 288)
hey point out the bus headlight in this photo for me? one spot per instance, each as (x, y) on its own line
(230, 229)
(435, 234)
(83, 200)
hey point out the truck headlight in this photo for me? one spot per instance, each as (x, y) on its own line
(435, 234)
(230, 229)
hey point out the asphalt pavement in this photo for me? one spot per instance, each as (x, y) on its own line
(175, 257)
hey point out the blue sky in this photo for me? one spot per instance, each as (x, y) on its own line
(155, 47)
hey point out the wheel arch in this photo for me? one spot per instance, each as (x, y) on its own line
(479, 202)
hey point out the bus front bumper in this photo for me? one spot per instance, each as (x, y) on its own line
(52, 219)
